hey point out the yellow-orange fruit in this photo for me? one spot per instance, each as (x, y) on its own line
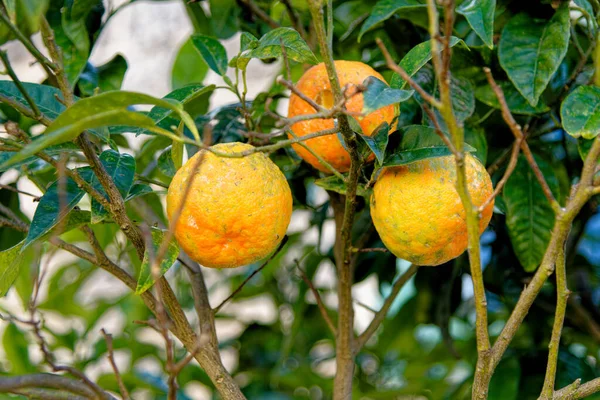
(237, 211)
(418, 212)
(315, 84)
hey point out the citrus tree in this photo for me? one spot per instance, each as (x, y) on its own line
(453, 145)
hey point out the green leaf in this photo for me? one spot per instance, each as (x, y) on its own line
(418, 143)
(121, 168)
(269, 46)
(68, 147)
(335, 184)
(378, 141)
(16, 347)
(475, 136)
(138, 189)
(60, 135)
(213, 52)
(531, 50)
(10, 263)
(146, 280)
(247, 43)
(378, 94)
(384, 9)
(55, 206)
(184, 96)
(529, 216)
(515, 101)
(106, 109)
(415, 59)
(189, 66)
(45, 98)
(224, 18)
(480, 15)
(29, 13)
(166, 164)
(72, 37)
(580, 112)
(463, 98)
(583, 147)
(111, 74)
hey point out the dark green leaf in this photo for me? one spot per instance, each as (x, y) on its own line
(121, 168)
(418, 143)
(480, 15)
(475, 136)
(378, 94)
(45, 98)
(72, 37)
(54, 136)
(415, 59)
(189, 66)
(529, 216)
(213, 53)
(183, 96)
(378, 141)
(146, 280)
(111, 74)
(385, 9)
(166, 164)
(531, 50)
(55, 206)
(335, 184)
(269, 46)
(138, 189)
(224, 18)
(515, 101)
(580, 112)
(10, 263)
(583, 147)
(68, 147)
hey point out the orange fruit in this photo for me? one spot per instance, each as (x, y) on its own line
(237, 210)
(418, 213)
(315, 84)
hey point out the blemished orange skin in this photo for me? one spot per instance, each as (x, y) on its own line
(418, 212)
(237, 210)
(315, 84)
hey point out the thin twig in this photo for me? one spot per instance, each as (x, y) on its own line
(381, 314)
(578, 391)
(111, 359)
(407, 78)
(256, 271)
(318, 299)
(518, 133)
(256, 10)
(509, 170)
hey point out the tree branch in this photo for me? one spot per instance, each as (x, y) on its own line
(12, 383)
(345, 330)
(562, 294)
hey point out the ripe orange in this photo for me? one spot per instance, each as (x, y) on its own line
(237, 211)
(418, 212)
(315, 84)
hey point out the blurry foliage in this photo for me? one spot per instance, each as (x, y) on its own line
(426, 346)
